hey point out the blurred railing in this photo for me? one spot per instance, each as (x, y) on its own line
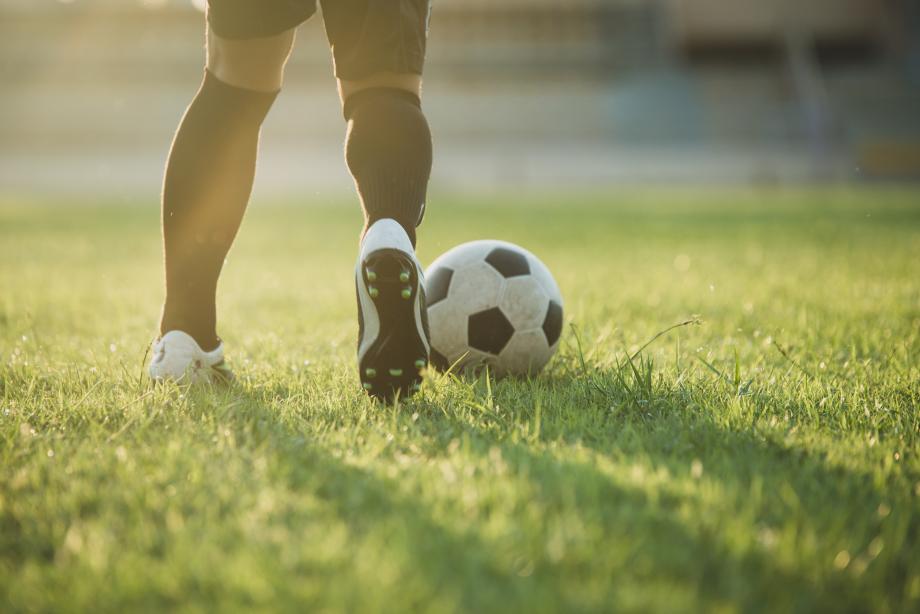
(681, 76)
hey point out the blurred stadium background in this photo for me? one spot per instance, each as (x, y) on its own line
(520, 93)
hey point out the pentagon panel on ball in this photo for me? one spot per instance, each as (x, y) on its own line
(489, 331)
(508, 262)
(493, 303)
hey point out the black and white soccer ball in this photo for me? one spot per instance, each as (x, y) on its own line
(492, 303)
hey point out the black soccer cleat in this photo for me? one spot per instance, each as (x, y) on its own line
(393, 339)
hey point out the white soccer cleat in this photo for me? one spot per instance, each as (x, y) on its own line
(177, 357)
(393, 344)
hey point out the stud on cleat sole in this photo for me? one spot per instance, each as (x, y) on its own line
(396, 372)
(420, 364)
(367, 385)
(374, 292)
(406, 293)
(370, 372)
(371, 276)
(404, 276)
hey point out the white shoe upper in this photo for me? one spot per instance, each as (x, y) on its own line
(178, 357)
(386, 234)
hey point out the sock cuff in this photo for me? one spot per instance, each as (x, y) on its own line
(374, 93)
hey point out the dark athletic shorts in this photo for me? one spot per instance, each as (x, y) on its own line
(366, 36)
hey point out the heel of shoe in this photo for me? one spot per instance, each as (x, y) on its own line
(391, 364)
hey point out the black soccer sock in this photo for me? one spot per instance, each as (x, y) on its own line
(207, 185)
(388, 151)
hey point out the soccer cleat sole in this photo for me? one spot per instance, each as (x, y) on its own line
(392, 366)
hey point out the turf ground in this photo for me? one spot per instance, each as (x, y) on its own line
(765, 458)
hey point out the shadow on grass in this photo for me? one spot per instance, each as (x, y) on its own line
(643, 550)
(835, 506)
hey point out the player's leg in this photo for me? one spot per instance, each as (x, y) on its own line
(209, 175)
(379, 51)
(210, 171)
(388, 146)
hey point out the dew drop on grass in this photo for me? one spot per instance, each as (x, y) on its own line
(524, 567)
(696, 469)
(875, 547)
(842, 559)
(767, 537)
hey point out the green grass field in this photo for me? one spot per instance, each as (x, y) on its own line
(766, 458)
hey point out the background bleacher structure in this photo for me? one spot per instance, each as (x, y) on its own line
(520, 93)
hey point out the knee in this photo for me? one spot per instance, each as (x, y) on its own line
(255, 64)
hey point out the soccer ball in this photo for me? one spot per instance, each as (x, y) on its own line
(492, 303)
